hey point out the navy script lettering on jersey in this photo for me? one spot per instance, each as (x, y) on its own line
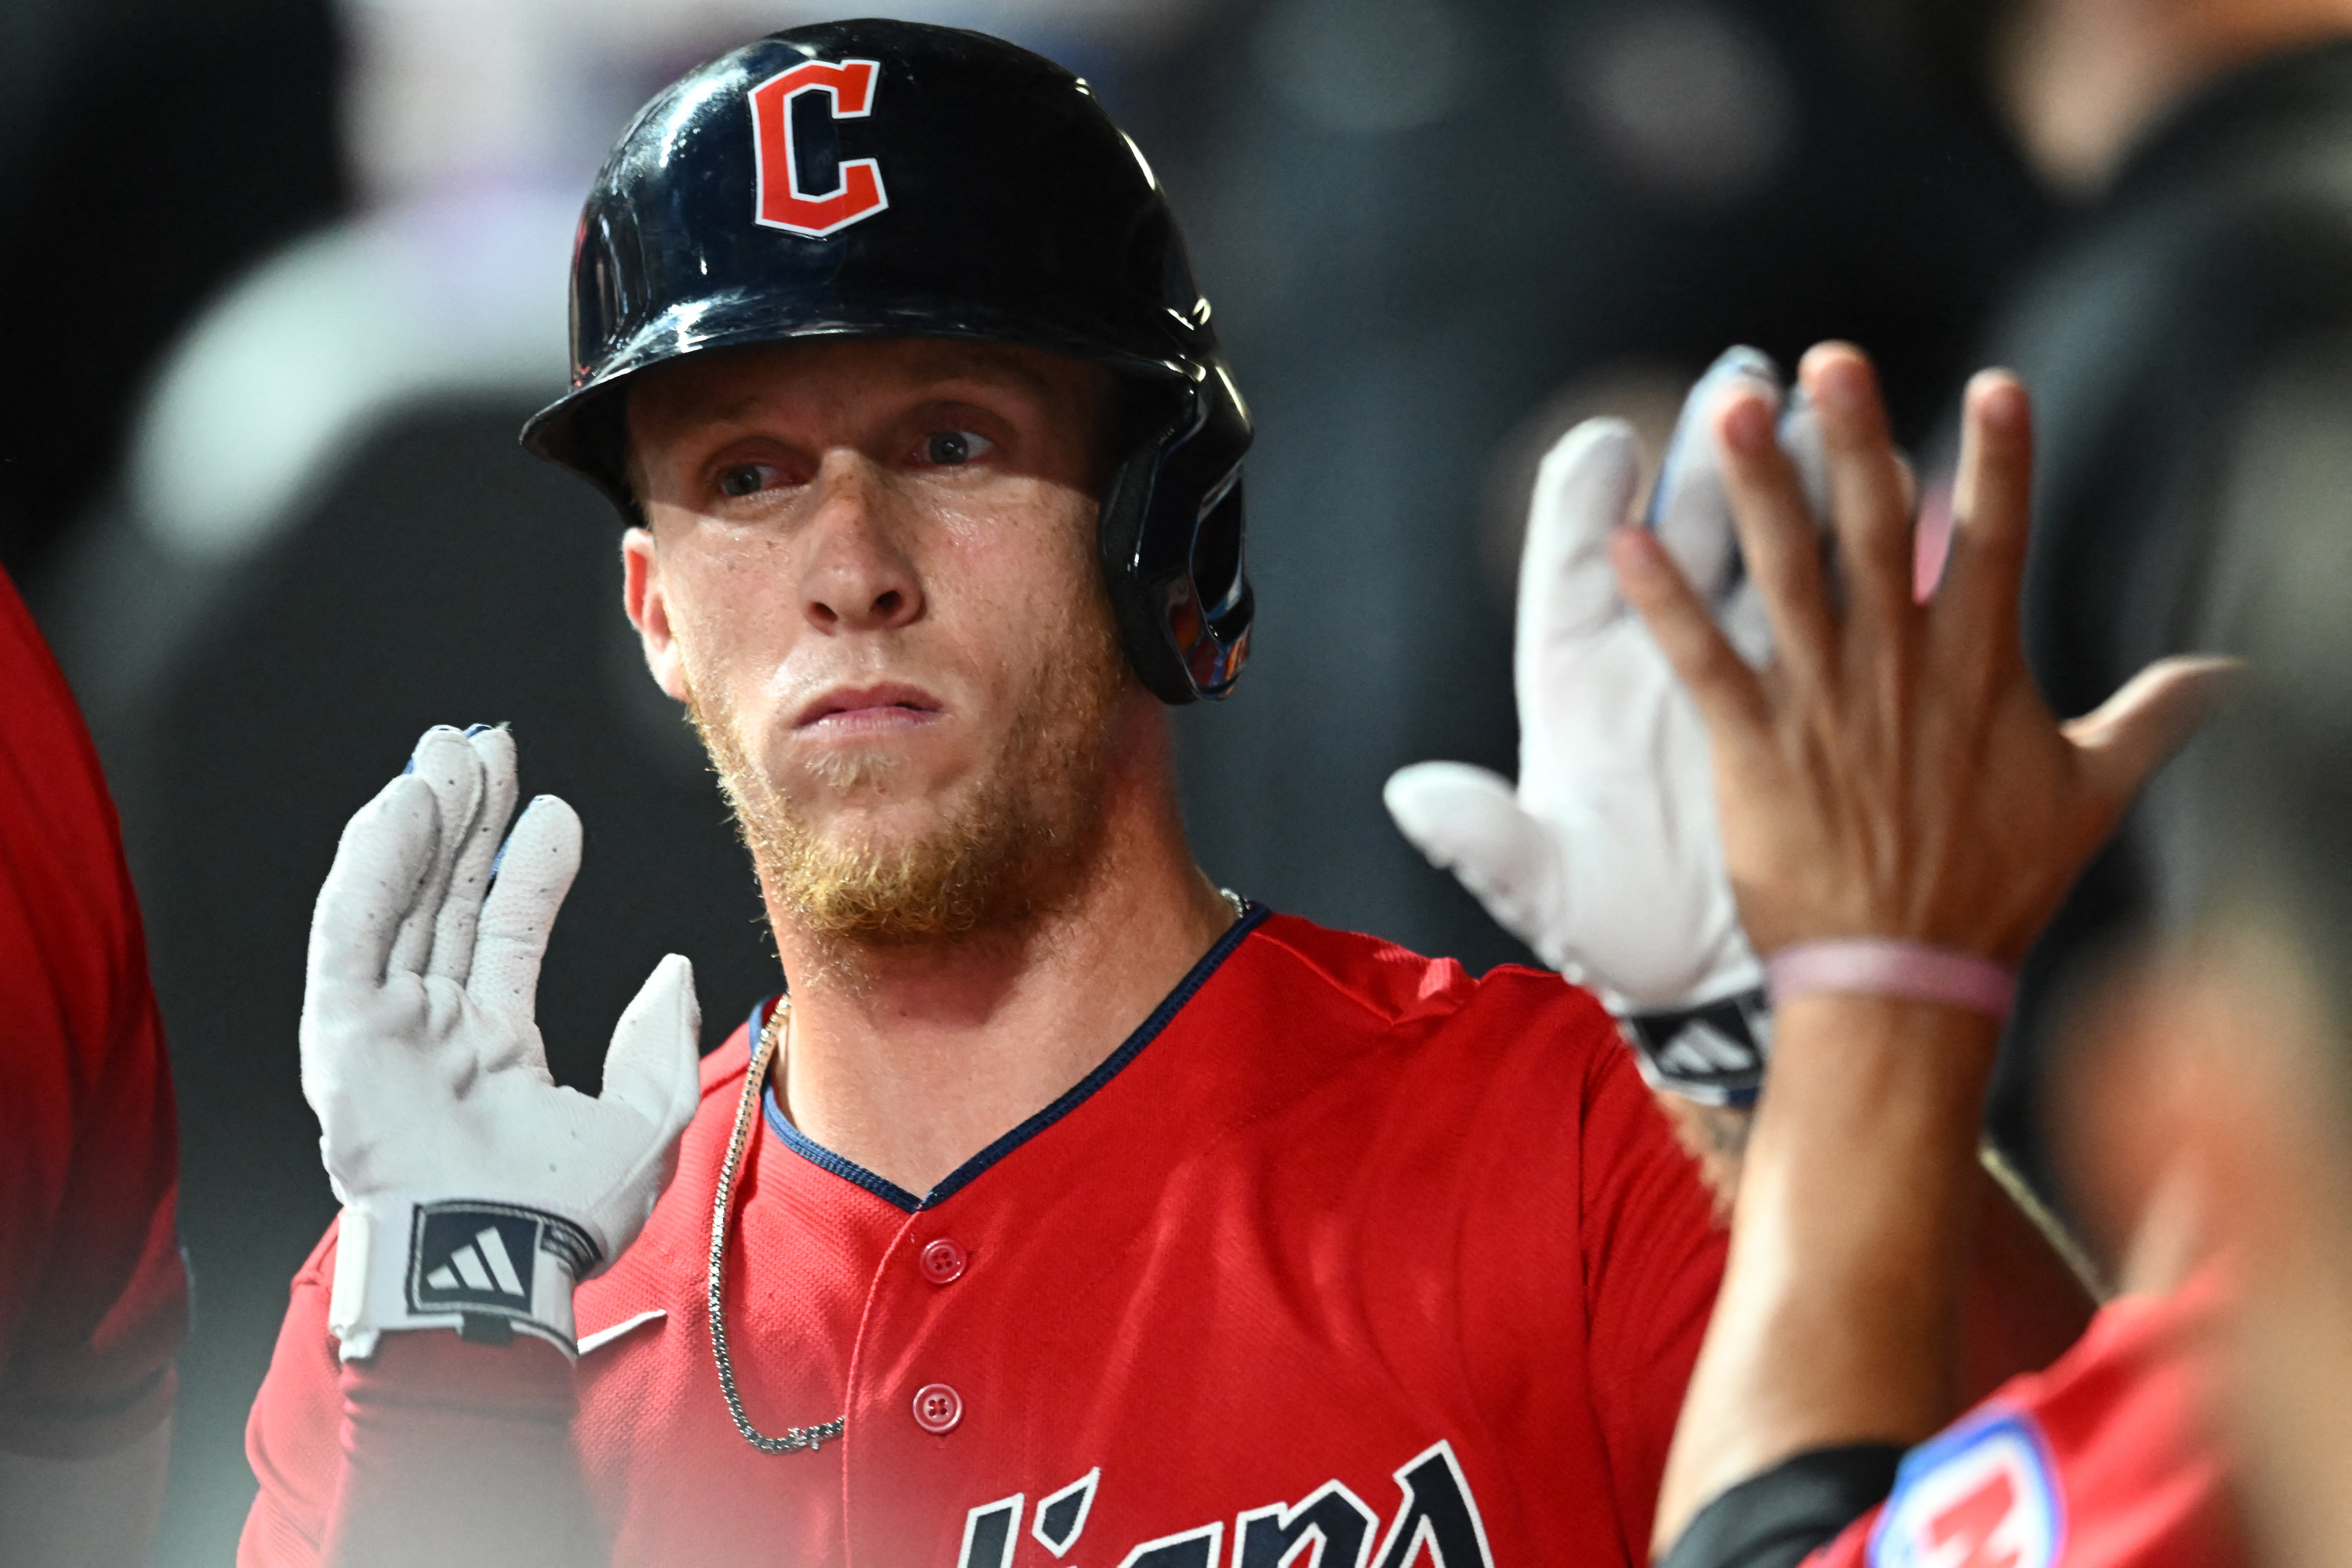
(1436, 1525)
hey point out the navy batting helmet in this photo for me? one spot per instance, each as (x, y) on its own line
(890, 179)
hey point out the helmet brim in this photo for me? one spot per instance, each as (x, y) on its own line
(583, 431)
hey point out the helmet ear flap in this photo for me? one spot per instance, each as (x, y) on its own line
(1175, 561)
(1136, 598)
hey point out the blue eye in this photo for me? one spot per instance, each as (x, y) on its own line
(742, 480)
(950, 448)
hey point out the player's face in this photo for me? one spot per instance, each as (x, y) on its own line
(870, 572)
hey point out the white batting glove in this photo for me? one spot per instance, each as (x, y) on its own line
(475, 1192)
(1606, 858)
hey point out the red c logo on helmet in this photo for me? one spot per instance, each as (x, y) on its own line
(857, 192)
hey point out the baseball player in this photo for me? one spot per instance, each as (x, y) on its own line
(1068, 1207)
(93, 1295)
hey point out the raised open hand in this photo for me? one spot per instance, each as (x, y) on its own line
(1894, 771)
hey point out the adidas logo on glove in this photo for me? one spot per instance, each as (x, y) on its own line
(475, 1257)
(1714, 1053)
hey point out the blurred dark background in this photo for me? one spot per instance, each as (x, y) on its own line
(287, 276)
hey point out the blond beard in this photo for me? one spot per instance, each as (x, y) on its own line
(1015, 844)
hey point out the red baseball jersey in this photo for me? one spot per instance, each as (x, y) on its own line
(93, 1297)
(1341, 1246)
(2101, 1461)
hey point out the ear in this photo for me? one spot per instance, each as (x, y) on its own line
(648, 611)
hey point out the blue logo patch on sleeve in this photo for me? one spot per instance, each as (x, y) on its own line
(1982, 1495)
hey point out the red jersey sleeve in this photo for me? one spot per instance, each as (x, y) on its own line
(431, 1449)
(2102, 1461)
(1653, 1255)
(93, 1293)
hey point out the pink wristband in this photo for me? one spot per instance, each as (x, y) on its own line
(1877, 966)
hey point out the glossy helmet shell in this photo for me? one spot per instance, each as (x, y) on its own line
(891, 179)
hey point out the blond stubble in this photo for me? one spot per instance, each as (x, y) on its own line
(1016, 842)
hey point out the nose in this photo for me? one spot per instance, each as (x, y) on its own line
(857, 577)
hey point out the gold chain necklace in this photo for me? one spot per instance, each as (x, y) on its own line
(795, 1438)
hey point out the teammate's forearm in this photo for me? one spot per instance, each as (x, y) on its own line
(460, 1454)
(1837, 1321)
(2028, 1293)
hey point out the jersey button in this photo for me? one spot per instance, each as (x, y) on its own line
(943, 1261)
(937, 1407)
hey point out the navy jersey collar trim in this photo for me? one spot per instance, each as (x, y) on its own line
(962, 1175)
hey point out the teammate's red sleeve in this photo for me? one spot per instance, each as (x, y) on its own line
(1653, 1255)
(2105, 1460)
(431, 1450)
(93, 1294)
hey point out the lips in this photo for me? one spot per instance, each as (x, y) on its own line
(863, 706)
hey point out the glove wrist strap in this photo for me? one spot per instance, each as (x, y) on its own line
(488, 1270)
(1711, 1052)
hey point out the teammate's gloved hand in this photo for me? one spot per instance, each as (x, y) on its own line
(475, 1192)
(1606, 858)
